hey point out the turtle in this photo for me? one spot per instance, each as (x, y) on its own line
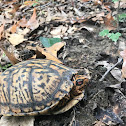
(40, 86)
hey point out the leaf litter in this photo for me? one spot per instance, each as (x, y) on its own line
(78, 23)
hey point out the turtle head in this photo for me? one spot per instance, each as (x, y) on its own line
(79, 82)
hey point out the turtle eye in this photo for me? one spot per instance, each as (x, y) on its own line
(79, 82)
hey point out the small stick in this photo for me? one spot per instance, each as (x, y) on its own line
(118, 15)
(73, 119)
(103, 77)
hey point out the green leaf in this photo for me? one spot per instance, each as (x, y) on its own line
(122, 17)
(37, 2)
(104, 32)
(115, 36)
(5, 67)
(34, 4)
(115, 1)
(48, 42)
(109, 35)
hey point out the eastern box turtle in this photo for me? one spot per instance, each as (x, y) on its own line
(39, 86)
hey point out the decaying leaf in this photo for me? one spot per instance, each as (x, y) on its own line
(123, 54)
(118, 101)
(107, 116)
(33, 23)
(110, 22)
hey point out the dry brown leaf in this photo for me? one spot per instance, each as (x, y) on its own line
(78, 12)
(80, 19)
(28, 3)
(107, 7)
(49, 17)
(1, 31)
(23, 22)
(123, 54)
(33, 23)
(1, 19)
(15, 8)
(10, 1)
(14, 28)
(24, 31)
(99, 17)
(51, 52)
(59, 31)
(97, 2)
(48, 54)
(59, 16)
(15, 39)
(55, 48)
(84, 0)
(99, 123)
(10, 56)
(122, 4)
(110, 22)
(7, 13)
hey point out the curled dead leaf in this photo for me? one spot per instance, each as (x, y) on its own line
(50, 53)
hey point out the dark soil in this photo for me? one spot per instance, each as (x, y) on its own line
(80, 56)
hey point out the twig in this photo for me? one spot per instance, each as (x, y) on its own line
(103, 77)
(73, 119)
(118, 16)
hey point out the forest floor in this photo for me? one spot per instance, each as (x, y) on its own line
(78, 23)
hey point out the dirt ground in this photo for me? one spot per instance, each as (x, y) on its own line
(80, 56)
(104, 102)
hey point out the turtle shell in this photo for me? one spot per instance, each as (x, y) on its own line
(34, 87)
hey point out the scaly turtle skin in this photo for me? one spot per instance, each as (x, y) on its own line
(39, 86)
